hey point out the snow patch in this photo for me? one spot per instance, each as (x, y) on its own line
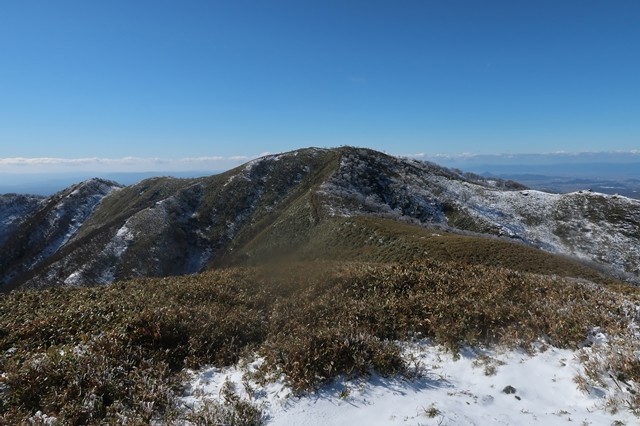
(481, 387)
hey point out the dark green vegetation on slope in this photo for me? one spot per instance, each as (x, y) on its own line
(302, 203)
(103, 354)
(180, 224)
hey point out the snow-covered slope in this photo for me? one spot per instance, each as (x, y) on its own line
(599, 228)
(480, 387)
(594, 227)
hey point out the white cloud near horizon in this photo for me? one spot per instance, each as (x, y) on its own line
(221, 163)
(124, 164)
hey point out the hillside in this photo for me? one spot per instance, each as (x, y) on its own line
(44, 226)
(318, 278)
(14, 208)
(296, 204)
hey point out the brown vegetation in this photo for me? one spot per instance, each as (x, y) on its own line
(102, 354)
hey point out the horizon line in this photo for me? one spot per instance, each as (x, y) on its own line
(36, 165)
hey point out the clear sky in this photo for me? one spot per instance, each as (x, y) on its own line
(221, 79)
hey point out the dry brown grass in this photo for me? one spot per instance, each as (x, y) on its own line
(96, 355)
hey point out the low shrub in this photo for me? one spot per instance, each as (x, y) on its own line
(116, 354)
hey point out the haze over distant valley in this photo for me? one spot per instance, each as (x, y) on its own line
(605, 172)
(50, 183)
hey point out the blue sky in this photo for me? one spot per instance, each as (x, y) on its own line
(162, 80)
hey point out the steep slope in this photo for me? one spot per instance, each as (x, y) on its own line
(598, 229)
(14, 209)
(167, 226)
(47, 226)
(302, 204)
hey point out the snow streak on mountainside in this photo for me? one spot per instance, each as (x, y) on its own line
(92, 233)
(48, 226)
(593, 227)
(590, 226)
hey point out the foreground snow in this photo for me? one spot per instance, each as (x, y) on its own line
(481, 387)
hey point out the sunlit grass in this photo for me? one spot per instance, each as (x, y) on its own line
(93, 355)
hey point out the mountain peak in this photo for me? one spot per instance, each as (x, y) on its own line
(98, 231)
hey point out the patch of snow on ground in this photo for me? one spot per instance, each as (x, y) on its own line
(482, 387)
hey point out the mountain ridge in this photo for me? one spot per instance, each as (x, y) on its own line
(276, 206)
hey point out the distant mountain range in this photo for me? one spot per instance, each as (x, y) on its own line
(563, 184)
(311, 203)
(618, 164)
(605, 172)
